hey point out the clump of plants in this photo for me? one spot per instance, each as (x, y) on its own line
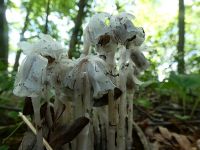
(82, 104)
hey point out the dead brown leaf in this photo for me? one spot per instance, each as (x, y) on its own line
(165, 133)
(183, 141)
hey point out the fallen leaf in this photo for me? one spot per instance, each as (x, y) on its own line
(182, 141)
(198, 144)
(165, 133)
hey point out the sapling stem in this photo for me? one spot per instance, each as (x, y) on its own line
(194, 107)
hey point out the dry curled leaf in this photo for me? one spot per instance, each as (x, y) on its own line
(65, 134)
(165, 133)
(183, 141)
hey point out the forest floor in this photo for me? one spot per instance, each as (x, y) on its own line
(163, 124)
(167, 126)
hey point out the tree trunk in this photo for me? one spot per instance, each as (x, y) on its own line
(47, 17)
(181, 40)
(3, 37)
(26, 23)
(78, 22)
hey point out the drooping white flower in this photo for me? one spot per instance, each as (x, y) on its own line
(30, 77)
(99, 34)
(97, 27)
(125, 32)
(132, 79)
(45, 46)
(97, 73)
(138, 58)
(35, 70)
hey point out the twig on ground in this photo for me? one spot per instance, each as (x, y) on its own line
(29, 124)
(142, 136)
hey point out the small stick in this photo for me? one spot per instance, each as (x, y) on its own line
(29, 124)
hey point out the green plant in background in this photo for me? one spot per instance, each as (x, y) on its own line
(184, 89)
(143, 102)
(4, 147)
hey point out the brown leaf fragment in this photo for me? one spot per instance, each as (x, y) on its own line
(198, 144)
(165, 133)
(158, 137)
(104, 99)
(64, 134)
(43, 110)
(182, 141)
(28, 107)
(28, 141)
(155, 145)
(59, 112)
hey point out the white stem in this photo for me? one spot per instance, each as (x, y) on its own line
(122, 115)
(130, 97)
(112, 109)
(122, 103)
(82, 107)
(36, 109)
(96, 127)
(29, 124)
(112, 106)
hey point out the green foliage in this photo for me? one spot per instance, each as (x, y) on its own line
(4, 147)
(182, 84)
(7, 81)
(143, 102)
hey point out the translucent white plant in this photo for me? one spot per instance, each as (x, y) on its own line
(31, 76)
(90, 79)
(33, 72)
(98, 33)
(125, 32)
(34, 75)
(45, 46)
(97, 72)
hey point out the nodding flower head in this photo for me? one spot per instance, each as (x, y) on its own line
(97, 28)
(125, 32)
(31, 76)
(97, 72)
(45, 46)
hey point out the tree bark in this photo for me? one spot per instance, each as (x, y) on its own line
(47, 17)
(26, 23)
(78, 22)
(3, 37)
(181, 39)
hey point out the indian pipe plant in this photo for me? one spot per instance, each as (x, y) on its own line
(82, 104)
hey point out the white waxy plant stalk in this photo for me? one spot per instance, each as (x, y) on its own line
(90, 79)
(112, 105)
(36, 109)
(122, 103)
(130, 96)
(86, 109)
